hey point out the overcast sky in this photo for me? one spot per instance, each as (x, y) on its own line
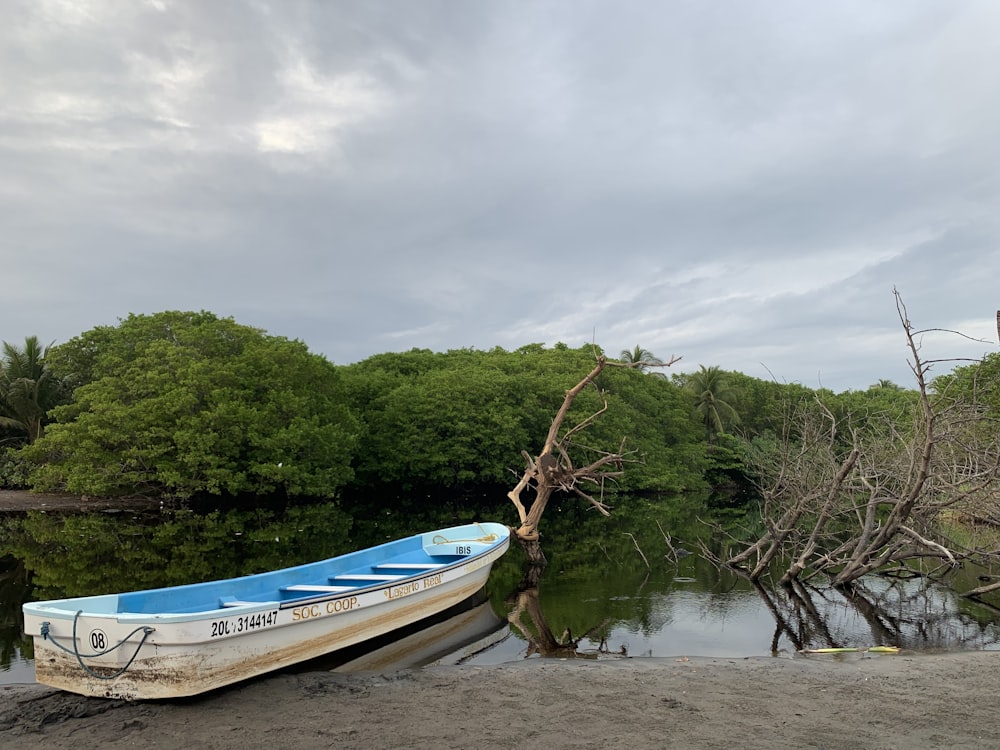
(739, 183)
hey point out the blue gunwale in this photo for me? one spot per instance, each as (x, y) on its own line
(269, 590)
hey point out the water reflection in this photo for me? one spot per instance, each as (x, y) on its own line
(91, 553)
(15, 649)
(912, 613)
(450, 638)
(693, 609)
(598, 597)
(52, 555)
(524, 613)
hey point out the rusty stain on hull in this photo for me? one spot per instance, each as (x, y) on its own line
(193, 672)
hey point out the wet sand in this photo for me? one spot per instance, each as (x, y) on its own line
(850, 702)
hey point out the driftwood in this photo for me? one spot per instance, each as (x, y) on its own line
(553, 469)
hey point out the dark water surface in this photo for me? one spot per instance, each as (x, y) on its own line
(611, 587)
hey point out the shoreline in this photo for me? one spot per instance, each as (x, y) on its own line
(21, 501)
(907, 701)
(910, 700)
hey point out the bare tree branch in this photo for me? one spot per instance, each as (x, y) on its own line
(844, 508)
(553, 470)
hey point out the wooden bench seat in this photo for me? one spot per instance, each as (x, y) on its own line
(228, 601)
(319, 589)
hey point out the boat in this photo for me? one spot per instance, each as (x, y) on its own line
(186, 640)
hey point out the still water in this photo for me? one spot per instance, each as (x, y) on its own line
(611, 589)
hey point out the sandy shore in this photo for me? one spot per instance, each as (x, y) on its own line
(902, 702)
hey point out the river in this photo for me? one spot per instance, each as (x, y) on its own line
(612, 588)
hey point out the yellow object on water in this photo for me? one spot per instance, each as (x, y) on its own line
(870, 649)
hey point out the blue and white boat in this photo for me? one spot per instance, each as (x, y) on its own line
(185, 640)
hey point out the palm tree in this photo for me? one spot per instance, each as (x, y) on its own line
(644, 358)
(27, 388)
(887, 385)
(710, 386)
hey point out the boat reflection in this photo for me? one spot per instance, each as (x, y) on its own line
(449, 638)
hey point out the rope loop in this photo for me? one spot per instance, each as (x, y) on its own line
(486, 538)
(75, 651)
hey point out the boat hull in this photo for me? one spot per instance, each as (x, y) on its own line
(176, 655)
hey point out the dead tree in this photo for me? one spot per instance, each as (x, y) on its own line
(553, 469)
(843, 498)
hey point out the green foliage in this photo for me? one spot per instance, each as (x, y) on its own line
(181, 404)
(186, 404)
(879, 405)
(974, 389)
(977, 383)
(14, 469)
(712, 395)
(769, 412)
(28, 390)
(653, 415)
(763, 405)
(444, 426)
(464, 416)
(645, 359)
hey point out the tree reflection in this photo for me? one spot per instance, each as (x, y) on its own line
(51, 556)
(525, 615)
(15, 584)
(911, 613)
(94, 553)
(597, 586)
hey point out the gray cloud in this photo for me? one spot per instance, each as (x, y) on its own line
(741, 184)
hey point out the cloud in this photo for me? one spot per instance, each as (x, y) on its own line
(743, 185)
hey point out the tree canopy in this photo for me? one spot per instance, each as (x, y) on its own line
(181, 404)
(644, 359)
(464, 416)
(712, 394)
(27, 389)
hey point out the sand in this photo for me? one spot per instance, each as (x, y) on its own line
(851, 702)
